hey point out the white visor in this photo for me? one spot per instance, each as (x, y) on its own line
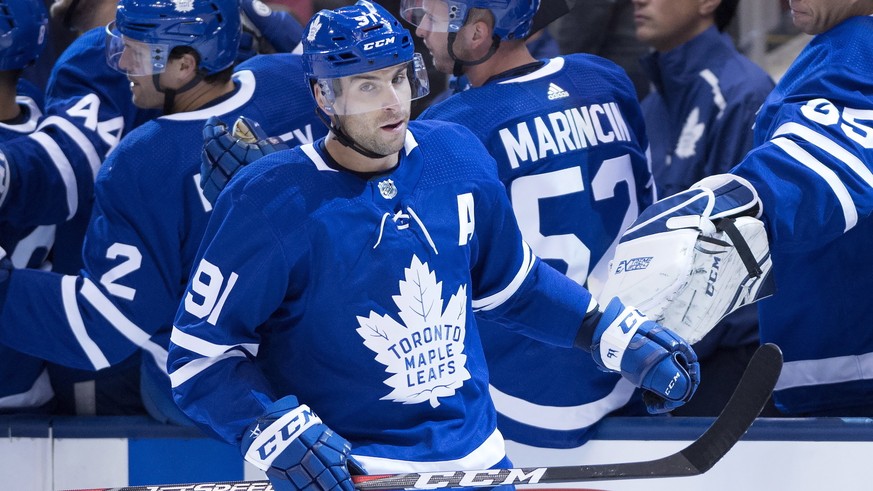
(134, 57)
(430, 15)
(377, 89)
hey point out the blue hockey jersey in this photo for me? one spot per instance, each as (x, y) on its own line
(812, 169)
(148, 219)
(24, 380)
(569, 143)
(357, 296)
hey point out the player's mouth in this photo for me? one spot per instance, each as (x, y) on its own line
(394, 126)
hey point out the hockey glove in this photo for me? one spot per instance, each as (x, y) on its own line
(224, 153)
(648, 355)
(297, 451)
(692, 258)
(274, 31)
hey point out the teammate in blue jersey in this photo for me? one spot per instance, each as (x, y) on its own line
(809, 179)
(149, 213)
(24, 380)
(330, 322)
(570, 146)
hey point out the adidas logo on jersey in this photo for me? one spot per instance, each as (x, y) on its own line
(556, 92)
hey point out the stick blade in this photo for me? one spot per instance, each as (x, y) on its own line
(744, 406)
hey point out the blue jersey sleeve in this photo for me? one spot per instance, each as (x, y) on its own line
(813, 166)
(128, 286)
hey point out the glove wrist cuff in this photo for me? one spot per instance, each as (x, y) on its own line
(617, 336)
(271, 441)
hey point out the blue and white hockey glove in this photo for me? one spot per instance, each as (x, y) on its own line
(297, 451)
(692, 258)
(647, 354)
(274, 31)
(224, 153)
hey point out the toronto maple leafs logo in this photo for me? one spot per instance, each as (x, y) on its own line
(313, 29)
(425, 352)
(184, 5)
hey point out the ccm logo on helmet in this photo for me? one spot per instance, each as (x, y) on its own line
(379, 43)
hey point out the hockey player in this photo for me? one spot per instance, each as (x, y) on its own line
(25, 382)
(149, 213)
(570, 148)
(809, 180)
(336, 285)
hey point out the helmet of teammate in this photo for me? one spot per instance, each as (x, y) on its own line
(23, 25)
(512, 18)
(146, 31)
(357, 39)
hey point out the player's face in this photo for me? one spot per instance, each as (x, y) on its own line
(665, 24)
(432, 25)
(373, 108)
(817, 16)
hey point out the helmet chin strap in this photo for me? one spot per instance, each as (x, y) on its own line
(345, 139)
(170, 94)
(458, 69)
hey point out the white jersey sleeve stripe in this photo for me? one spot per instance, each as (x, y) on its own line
(122, 324)
(81, 140)
(826, 371)
(205, 348)
(71, 308)
(850, 213)
(562, 418)
(497, 299)
(195, 367)
(829, 146)
(110, 312)
(485, 456)
(65, 169)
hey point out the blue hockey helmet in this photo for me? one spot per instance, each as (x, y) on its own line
(512, 18)
(149, 29)
(356, 39)
(23, 25)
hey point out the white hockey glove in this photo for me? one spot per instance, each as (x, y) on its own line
(694, 257)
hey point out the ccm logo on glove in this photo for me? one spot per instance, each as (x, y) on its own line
(271, 441)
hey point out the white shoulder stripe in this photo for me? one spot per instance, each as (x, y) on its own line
(829, 146)
(65, 169)
(247, 85)
(74, 318)
(497, 299)
(320, 164)
(81, 140)
(850, 213)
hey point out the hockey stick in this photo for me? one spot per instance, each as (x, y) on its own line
(739, 413)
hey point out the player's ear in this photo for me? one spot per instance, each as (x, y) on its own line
(706, 8)
(182, 69)
(321, 99)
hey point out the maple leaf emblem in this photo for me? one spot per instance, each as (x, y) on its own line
(425, 352)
